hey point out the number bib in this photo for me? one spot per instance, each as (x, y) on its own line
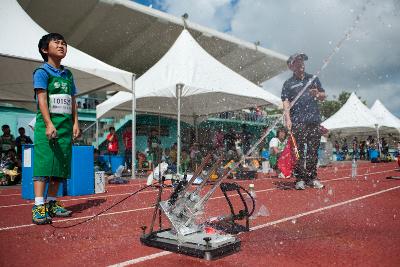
(60, 104)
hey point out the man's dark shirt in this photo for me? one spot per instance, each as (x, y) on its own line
(306, 109)
(22, 140)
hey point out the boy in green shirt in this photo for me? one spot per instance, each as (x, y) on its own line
(56, 125)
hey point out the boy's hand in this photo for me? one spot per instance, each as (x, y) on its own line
(76, 131)
(51, 131)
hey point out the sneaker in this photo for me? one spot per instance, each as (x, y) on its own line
(56, 209)
(300, 185)
(40, 215)
(316, 184)
(281, 176)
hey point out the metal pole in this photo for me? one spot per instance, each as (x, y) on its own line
(133, 170)
(378, 141)
(178, 133)
(97, 132)
(196, 129)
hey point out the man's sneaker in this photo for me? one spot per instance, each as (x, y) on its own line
(281, 176)
(40, 215)
(316, 184)
(300, 185)
(56, 209)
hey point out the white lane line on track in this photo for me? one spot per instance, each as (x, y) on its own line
(160, 254)
(150, 191)
(85, 198)
(143, 183)
(140, 209)
(141, 259)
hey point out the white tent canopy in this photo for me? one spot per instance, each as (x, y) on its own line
(208, 86)
(134, 37)
(19, 56)
(386, 120)
(354, 117)
(189, 81)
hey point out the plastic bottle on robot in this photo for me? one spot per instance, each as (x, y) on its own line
(252, 191)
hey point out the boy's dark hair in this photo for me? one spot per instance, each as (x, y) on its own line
(112, 128)
(21, 128)
(45, 40)
(281, 129)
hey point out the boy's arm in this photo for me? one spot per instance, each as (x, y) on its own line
(75, 129)
(51, 131)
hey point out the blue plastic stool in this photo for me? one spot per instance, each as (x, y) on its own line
(81, 181)
(27, 175)
(116, 161)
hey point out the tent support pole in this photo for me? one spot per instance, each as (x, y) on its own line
(97, 133)
(133, 170)
(179, 87)
(196, 129)
(378, 141)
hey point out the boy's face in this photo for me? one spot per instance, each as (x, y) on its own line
(281, 135)
(21, 131)
(6, 130)
(57, 49)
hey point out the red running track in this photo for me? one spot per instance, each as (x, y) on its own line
(349, 223)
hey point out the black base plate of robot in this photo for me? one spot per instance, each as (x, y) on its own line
(190, 249)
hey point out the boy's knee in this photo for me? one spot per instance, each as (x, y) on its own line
(44, 179)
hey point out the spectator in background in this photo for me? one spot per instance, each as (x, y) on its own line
(258, 114)
(276, 146)
(355, 147)
(345, 148)
(185, 161)
(368, 144)
(7, 140)
(99, 165)
(230, 138)
(167, 156)
(384, 147)
(362, 149)
(245, 139)
(11, 165)
(398, 148)
(112, 139)
(127, 138)
(195, 156)
(21, 140)
(154, 145)
(218, 140)
(174, 153)
(337, 147)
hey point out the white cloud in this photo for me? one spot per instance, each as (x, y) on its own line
(368, 63)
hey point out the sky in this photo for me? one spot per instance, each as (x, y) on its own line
(367, 63)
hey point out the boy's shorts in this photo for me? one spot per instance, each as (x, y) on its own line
(47, 178)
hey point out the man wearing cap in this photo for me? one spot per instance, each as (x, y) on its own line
(303, 119)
